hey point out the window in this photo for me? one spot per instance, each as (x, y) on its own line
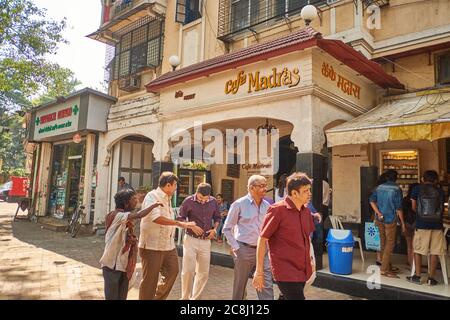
(188, 11)
(285, 6)
(239, 15)
(443, 68)
(136, 162)
(139, 49)
(245, 13)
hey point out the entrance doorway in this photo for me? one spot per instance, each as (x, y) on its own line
(67, 179)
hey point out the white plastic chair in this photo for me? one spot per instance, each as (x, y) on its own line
(442, 260)
(179, 231)
(337, 224)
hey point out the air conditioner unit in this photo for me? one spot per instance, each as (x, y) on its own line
(332, 1)
(130, 83)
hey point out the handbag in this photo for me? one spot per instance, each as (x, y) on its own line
(372, 236)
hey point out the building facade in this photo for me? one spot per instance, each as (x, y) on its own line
(62, 145)
(357, 55)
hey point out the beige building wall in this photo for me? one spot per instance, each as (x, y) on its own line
(415, 72)
(347, 161)
(402, 17)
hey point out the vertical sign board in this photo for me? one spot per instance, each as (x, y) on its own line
(57, 120)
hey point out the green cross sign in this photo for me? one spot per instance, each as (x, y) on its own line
(75, 109)
(38, 121)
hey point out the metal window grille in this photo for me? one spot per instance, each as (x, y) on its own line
(188, 11)
(443, 71)
(236, 16)
(120, 6)
(379, 3)
(138, 48)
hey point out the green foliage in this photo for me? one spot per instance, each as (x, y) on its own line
(27, 37)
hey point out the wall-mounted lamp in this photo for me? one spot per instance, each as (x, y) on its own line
(174, 61)
(308, 13)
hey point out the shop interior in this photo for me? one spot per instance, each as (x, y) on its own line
(66, 179)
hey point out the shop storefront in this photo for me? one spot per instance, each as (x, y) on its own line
(408, 133)
(66, 134)
(298, 85)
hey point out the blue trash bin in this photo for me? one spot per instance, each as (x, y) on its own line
(340, 251)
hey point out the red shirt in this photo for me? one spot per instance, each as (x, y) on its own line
(288, 231)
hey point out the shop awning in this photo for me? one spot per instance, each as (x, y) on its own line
(417, 116)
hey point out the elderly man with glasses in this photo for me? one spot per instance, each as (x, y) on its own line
(242, 228)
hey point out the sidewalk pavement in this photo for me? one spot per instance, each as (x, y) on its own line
(38, 264)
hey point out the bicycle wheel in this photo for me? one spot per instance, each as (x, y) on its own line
(73, 224)
(75, 228)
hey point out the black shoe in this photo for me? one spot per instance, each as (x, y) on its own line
(432, 282)
(281, 297)
(378, 263)
(414, 279)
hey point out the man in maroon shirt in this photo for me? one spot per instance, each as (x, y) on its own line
(287, 228)
(202, 209)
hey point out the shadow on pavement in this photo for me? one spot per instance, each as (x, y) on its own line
(84, 248)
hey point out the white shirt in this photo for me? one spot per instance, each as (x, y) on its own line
(154, 236)
(115, 239)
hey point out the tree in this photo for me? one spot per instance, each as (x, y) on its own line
(27, 36)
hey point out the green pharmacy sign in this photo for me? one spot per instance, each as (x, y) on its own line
(57, 120)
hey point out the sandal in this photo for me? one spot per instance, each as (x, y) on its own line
(390, 274)
(395, 269)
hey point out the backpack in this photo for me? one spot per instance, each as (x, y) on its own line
(429, 204)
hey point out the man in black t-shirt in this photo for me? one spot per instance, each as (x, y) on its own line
(429, 236)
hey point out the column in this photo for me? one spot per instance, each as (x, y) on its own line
(104, 162)
(312, 164)
(88, 173)
(43, 179)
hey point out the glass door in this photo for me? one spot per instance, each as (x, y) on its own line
(184, 188)
(199, 177)
(58, 181)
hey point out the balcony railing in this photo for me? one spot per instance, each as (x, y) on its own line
(378, 3)
(237, 16)
(121, 6)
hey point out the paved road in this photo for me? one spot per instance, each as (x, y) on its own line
(36, 263)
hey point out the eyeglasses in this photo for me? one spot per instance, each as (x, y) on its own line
(260, 185)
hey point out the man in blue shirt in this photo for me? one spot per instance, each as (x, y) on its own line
(386, 202)
(428, 237)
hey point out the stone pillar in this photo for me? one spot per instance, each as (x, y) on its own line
(88, 174)
(44, 178)
(103, 181)
(312, 165)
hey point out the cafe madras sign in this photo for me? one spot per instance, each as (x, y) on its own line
(256, 81)
(346, 86)
(56, 120)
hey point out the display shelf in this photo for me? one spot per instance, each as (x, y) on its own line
(405, 162)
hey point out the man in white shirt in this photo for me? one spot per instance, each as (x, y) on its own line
(156, 241)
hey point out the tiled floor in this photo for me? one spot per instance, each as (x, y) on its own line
(36, 263)
(362, 271)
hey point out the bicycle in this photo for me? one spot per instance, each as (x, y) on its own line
(76, 220)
